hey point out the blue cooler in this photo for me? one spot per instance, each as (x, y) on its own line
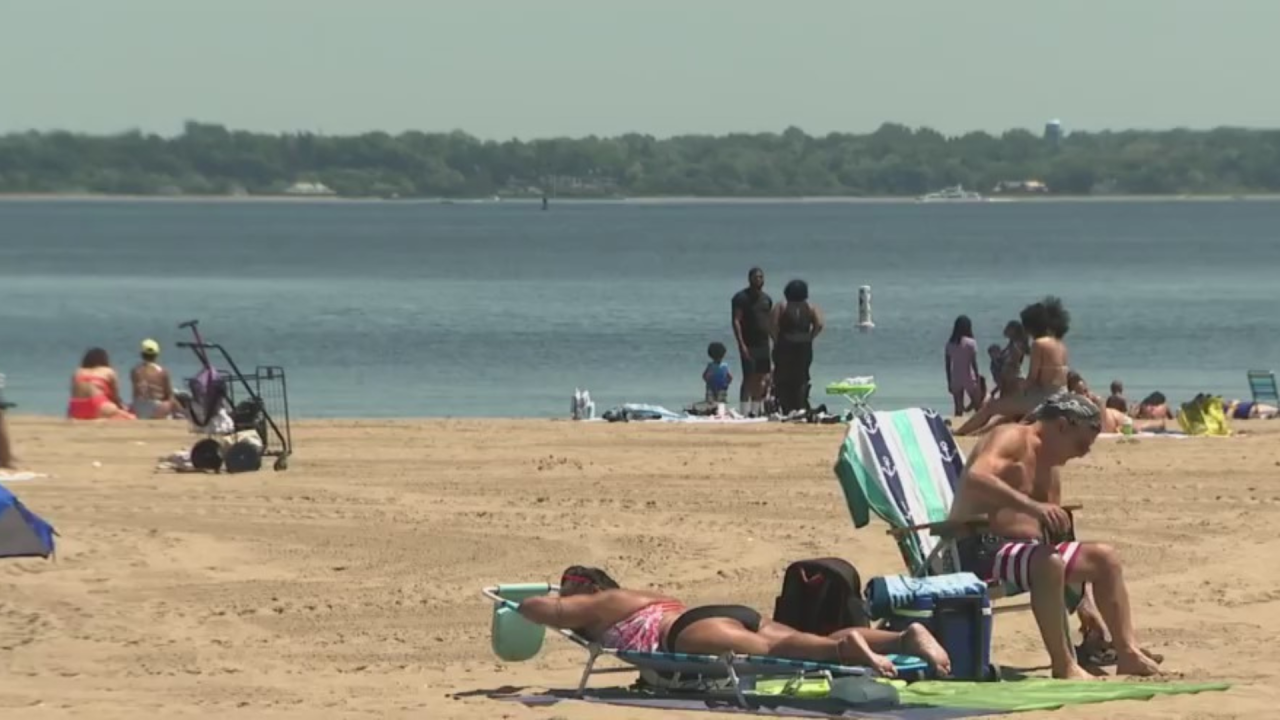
(956, 608)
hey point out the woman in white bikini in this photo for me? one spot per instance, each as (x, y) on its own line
(591, 604)
(1047, 322)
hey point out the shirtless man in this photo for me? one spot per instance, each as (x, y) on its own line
(1012, 478)
(152, 388)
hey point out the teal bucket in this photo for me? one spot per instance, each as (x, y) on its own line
(514, 637)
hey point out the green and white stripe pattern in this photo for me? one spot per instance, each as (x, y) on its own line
(903, 466)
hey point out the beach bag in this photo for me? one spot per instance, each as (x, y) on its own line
(820, 596)
(1204, 415)
(208, 393)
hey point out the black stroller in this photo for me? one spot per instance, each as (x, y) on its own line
(239, 431)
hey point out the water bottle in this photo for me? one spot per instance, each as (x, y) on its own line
(575, 406)
(588, 407)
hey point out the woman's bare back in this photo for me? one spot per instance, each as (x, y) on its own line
(1049, 367)
(613, 606)
(88, 382)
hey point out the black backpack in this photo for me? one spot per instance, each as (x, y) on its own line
(821, 596)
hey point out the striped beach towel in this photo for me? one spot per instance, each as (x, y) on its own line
(903, 466)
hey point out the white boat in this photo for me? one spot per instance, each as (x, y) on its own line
(952, 194)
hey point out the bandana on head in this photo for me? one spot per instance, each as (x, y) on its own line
(1077, 409)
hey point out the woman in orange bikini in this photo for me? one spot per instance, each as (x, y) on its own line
(95, 390)
(591, 604)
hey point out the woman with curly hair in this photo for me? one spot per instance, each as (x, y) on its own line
(1047, 323)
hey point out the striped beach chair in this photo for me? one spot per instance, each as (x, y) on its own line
(903, 467)
(515, 638)
(1262, 385)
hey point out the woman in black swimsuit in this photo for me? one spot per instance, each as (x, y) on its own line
(795, 324)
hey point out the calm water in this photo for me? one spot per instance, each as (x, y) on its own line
(500, 309)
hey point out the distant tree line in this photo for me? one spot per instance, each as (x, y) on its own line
(895, 160)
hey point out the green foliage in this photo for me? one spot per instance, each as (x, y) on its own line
(892, 161)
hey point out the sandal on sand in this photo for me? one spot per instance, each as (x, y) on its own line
(1098, 652)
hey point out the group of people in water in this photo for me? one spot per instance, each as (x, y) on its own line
(95, 388)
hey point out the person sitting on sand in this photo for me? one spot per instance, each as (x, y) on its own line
(1117, 401)
(1048, 322)
(152, 389)
(996, 366)
(1009, 380)
(593, 605)
(1249, 410)
(1154, 407)
(95, 390)
(717, 375)
(1077, 385)
(1113, 420)
(1012, 479)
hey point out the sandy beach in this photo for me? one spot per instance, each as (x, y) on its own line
(348, 585)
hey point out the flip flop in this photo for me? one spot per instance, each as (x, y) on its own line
(1099, 653)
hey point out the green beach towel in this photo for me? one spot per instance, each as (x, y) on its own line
(1014, 696)
(1041, 693)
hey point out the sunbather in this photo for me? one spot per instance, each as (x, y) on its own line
(95, 390)
(1012, 478)
(1249, 410)
(593, 605)
(1113, 420)
(1154, 407)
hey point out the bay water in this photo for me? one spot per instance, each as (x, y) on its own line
(411, 309)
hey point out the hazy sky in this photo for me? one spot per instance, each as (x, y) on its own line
(574, 67)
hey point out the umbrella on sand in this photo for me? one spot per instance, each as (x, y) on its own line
(22, 532)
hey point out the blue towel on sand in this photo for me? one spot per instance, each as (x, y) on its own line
(885, 594)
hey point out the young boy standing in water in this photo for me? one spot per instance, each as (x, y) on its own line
(717, 374)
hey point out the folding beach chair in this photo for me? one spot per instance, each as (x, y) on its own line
(903, 466)
(857, 391)
(1262, 384)
(515, 638)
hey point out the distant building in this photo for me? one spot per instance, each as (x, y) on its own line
(309, 188)
(1020, 187)
(1053, 132)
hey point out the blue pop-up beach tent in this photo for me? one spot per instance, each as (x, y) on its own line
(22, 532)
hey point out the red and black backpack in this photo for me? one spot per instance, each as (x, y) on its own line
(821, 596)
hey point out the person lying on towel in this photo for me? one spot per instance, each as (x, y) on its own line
(1012, 477)
(593, 605)
(1113, 420)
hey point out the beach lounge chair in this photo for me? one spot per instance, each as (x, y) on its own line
(515, 638)
(903, 466)
(1262, 384)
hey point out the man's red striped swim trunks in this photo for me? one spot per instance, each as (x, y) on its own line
(1005, 560)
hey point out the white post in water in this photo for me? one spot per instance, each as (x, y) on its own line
(864, 308)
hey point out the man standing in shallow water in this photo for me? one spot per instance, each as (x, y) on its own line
(1013, 478)
(751, 310)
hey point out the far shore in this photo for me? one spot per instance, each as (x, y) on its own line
(646, 200)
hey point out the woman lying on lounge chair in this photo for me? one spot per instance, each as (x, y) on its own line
(591, 604)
